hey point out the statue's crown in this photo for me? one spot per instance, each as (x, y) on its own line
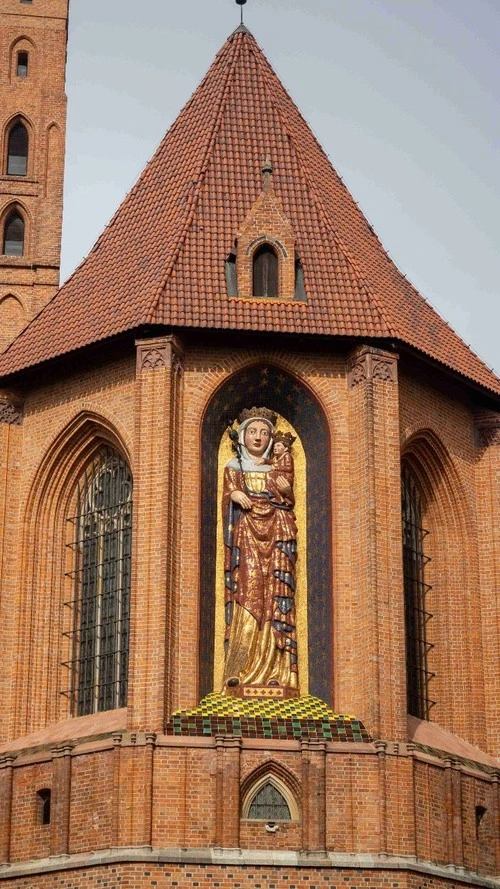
(286, 437)
(258, 413)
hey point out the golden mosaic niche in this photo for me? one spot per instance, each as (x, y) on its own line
(225, 454)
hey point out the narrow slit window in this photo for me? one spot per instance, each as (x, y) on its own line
(269, 804)
(265, 272)
(43, 800)
(13, 238)
(22, 64)
(415, 593)
(17, 150)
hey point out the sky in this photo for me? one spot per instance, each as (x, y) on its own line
(403, 95)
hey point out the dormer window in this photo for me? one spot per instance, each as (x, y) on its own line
(22, 64)
(265, 272)
(17, 150)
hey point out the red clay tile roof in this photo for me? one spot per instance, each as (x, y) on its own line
(161, 258)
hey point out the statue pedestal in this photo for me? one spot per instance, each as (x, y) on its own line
(275, 692)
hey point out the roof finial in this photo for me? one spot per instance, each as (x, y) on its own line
(267, 170)
(241, 3)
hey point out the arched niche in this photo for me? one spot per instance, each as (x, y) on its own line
(276, 775)
(12, 318)
(22, 46)
(452, 632)
(44, 647)
(274, 388)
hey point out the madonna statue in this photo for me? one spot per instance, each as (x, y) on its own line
(260, 537)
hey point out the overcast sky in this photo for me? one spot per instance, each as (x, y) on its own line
(404, 96)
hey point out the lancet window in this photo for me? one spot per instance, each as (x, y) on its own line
(102, 545)
(17, 150)
(13, 235)
(415, 593)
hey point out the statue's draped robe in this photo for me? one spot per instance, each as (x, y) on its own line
(260, 557)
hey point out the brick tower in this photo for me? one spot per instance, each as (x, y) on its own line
(249, 573)
(33, 36)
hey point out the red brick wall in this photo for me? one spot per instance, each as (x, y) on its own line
(29, 281)
(381, 801)
(206, 876)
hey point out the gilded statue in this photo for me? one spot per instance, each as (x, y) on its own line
(260, 537)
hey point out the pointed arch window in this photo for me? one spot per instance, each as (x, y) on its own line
(265, 272)
(17, 150)
(102, 543)
(269, 804)
(13, 235)
(415, 594)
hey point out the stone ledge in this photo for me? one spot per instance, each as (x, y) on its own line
(244, 857)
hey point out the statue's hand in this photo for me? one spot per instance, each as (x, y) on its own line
(283, 485)
(241, 499)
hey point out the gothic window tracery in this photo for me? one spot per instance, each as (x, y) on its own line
(269, 804)
(102, 544)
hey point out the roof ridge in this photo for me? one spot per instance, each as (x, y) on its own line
(202, 172)
(317, 198)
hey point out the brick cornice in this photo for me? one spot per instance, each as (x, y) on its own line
(367, 363)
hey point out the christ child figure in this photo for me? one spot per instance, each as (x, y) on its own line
(282, 460)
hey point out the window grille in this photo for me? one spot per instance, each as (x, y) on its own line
(415, 591)
(22, 64)
(102, 540)
(17, 151)
(265, 272)
(269, 804)
(13, 236)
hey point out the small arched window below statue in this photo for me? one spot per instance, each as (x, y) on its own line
(269, 805)
(265, 272)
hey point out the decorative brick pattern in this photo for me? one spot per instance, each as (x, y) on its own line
(11, 411)
(371, 364)
(296, 719)
(487, 424)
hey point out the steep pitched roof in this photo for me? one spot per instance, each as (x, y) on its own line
(161, 258)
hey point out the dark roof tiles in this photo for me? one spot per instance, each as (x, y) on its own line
(161, 258)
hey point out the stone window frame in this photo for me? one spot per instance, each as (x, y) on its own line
(268, 777)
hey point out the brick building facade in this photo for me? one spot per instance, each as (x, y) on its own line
(33, 122)
(124, 760)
